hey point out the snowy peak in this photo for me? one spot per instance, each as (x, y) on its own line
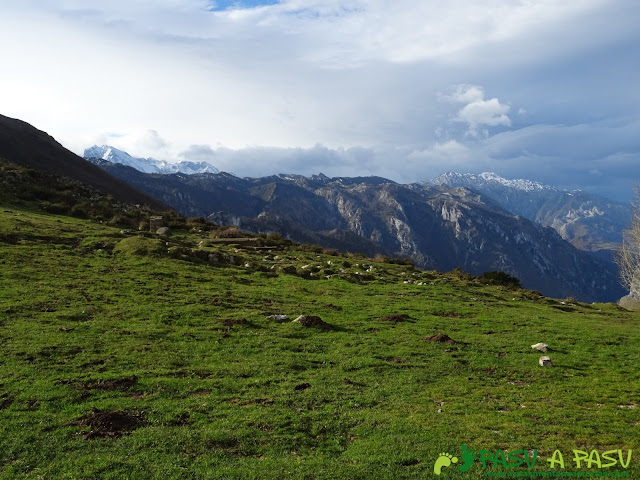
(487, 180)
(113, 155)
(147, 165)
(587, 221)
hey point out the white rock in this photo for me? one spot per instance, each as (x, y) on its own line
(545, 362)
(541, 347)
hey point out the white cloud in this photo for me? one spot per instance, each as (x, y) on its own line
(263, 86)
(478, 112)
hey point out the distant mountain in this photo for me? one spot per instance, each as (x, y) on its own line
(25, 145)
(589, 222)
(147, 165)
(437, 227)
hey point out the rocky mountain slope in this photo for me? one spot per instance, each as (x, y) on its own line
(147, 165)
(24, 145)
(437, 227)
(589, 222)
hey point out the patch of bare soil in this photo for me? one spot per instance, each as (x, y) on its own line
(110, 424)
(442, 338)
(395, 318)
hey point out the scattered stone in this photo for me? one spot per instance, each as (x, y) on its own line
(311, 321)
(125, 232)
(302, 386)
(442, 338)
(166, 231)
(278, 318)
(395, 318)
(545, 362)
(541, 347)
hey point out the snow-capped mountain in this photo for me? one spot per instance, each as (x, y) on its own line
(147, 165)
(487, 180)
(588, 221)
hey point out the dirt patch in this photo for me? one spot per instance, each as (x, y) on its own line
(302, 386)
(448, 314)
(5, 400)
(564, 308)
(230, 322)
(393, 359)
(395, 318)
(109, 385)
(180, 420)
(110, 424)
(311, 321)
(331, 306)
(442, 338)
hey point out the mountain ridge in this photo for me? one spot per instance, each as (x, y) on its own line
(25, 145)
(147, 165)
(589, 222)
(439, 228)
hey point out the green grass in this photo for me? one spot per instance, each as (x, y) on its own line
(92, 319)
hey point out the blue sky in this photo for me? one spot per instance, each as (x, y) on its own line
(239, 4)
(407, 90)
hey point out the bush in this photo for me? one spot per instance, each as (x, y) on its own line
(58, 208)
(141, 246)
(229, 232)
(500, 278)
(307, 247)
(393, 261)
(80, 210)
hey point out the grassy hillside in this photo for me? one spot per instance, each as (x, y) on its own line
(126, 355)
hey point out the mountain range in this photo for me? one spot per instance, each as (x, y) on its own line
(437, 226)
(587, 221)
(147, 165)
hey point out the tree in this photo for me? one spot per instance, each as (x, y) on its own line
(628, 258)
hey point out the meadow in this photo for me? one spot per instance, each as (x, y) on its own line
(128, 355)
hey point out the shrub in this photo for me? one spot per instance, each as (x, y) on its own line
(500, 278)
(58, 208)
(139, 245)
(230, 232)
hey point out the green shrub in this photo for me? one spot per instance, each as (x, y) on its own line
(500, 278)
(140, 246)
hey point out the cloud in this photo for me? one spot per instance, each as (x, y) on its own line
(477, 111)
(151, 140)
(198, 153)
(347, 87)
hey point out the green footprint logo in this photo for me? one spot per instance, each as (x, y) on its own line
(444, 460)
(468, 456)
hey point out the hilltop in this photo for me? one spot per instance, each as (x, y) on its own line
(127, 354)
(24, 145)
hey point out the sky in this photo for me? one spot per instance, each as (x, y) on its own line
(403, 89)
